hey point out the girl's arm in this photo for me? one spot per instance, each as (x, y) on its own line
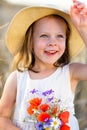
(7, 102)
(78, 15)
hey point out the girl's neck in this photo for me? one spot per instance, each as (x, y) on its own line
(42, 72)
(41, 68)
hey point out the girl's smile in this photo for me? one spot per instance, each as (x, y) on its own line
(49, 39)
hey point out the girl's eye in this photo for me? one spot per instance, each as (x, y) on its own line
(44, 36)
(60, 36)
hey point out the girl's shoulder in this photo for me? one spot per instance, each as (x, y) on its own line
(16, 74)
(78, 71)
(11, 81)
(74, 67)
(12, 76)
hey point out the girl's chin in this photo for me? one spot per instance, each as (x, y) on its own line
(50, 63)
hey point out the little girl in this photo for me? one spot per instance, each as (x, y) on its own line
(42, 40)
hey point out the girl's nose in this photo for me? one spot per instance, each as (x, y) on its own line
(52, 42)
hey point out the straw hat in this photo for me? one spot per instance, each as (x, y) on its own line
(25, 17)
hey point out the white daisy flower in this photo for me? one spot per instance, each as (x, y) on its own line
(56, 123)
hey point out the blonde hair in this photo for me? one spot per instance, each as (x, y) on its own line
(22, 60)
(25, 58)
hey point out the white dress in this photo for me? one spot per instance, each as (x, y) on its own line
(59, 82)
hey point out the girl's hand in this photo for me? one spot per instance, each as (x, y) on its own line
(6, 124)
(78, 15)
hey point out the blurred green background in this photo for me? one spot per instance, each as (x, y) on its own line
(7, 11)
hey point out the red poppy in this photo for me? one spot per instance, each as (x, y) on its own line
(65, 127)
(54, 111)
(43, 116)
(44, 107)
(64, 116)
(30, 109)
(35, 101)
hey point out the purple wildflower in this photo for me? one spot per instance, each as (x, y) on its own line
(59, 100)
(47, 123)
(45, 93)
(39, 126)
(50, 99)
(33, 91)
(48, 92)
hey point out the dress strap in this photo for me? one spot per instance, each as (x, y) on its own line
(21, 86)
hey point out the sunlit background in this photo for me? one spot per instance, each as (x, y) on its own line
(25, 2)
(8, 9)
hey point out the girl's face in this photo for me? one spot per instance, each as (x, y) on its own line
(49, 39)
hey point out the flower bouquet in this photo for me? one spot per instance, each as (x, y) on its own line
(46, 111)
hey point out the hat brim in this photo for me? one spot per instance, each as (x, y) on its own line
(24, 18)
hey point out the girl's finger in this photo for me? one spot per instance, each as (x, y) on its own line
(74, 11)
(74, 1)
(83, 11)
(80, 5)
